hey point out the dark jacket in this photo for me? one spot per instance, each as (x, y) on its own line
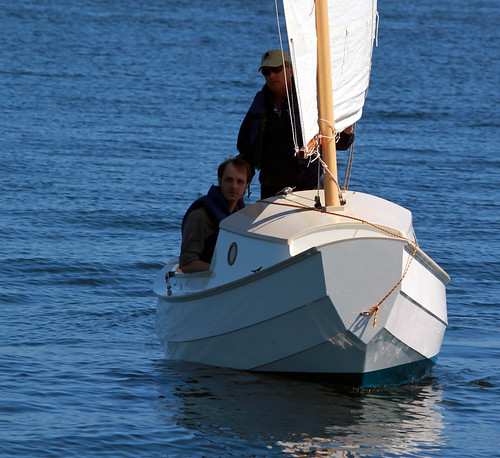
(216, 206)
(265, 141)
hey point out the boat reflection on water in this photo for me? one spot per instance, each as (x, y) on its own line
(273, 414)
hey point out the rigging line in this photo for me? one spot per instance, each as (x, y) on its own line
(292, 115)
(374, 310)
(315, 155)
(318, 181)
(348, 168)
(350, 160)
(349, 163)
(291, 106)
(332, 126)
(325, 167)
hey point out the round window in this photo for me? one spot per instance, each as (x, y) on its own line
(232, 253)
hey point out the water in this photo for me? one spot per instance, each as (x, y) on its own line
(113, 119)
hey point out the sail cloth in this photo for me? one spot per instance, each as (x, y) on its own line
(352, 32)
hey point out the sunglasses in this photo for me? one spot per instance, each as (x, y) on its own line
(267, 71)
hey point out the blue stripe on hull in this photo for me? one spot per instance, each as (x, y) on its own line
(399, 375)
(406, 373)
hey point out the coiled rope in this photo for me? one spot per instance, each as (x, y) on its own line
(373, 310)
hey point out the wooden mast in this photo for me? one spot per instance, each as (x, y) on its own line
(325, 102)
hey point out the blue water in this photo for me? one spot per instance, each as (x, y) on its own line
(113, 118)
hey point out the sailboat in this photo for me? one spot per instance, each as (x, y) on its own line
(329, 284)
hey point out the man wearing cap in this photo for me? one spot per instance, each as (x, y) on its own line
(265, 139)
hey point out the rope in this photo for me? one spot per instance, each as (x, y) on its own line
(350, 160)
(291, 110)
(315, 155)
(332, 126)
(289, 94)
(373, 310)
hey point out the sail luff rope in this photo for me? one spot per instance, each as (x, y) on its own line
(289, 96)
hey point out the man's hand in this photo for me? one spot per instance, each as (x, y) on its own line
(349, 130)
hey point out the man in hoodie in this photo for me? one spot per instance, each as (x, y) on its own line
(200, 225)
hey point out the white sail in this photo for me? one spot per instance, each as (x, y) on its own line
(352, 33)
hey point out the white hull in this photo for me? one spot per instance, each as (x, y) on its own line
(302, 311)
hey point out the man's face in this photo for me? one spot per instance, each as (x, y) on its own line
(275, 79)
(233, 183)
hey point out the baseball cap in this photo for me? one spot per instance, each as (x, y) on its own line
(273, 58)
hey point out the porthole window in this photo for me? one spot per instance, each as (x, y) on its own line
(232, 253)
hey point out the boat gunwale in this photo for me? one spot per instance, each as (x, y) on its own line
(196, 295)
(428, 262)
(241, 281)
